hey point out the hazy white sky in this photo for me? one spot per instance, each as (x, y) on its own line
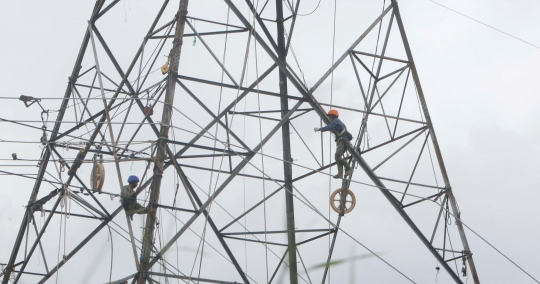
(482, 89)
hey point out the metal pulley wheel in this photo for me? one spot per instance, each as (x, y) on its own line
(97, 177)
(335, 201)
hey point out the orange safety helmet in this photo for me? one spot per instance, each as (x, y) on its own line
(334, 112)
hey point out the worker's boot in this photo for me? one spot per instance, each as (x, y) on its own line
(348, 172)
(339, 175)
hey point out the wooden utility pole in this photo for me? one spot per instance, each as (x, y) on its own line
(174, 61)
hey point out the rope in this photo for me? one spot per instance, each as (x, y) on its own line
(230, 215)
(369, 185)
(262, 160)
(428, 146)
(488, 243)
(216, 250)
(363, 128)
(216, 132)
(244, 188)
(330, 137)
(243, 75)
(112, 253)
(297, 189)
(177, 183)
(466, 227)
(296, 61)
(291, 9)
(374, 186)
(244, 172)
(310, 205)
(97, 97)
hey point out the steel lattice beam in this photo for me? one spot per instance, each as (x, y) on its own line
(277, 49)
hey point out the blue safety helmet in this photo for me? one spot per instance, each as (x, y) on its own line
(133, 179)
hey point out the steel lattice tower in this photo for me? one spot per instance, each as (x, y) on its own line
(189, 125)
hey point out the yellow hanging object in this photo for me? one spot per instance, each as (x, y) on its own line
(97, 177)
(165, 68)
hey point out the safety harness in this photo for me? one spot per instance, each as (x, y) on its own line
(339, 135)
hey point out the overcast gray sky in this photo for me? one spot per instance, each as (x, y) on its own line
(482, 89)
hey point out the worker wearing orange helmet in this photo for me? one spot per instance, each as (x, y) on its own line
(342, 138)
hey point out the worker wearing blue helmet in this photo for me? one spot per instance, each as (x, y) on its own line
(128, 198)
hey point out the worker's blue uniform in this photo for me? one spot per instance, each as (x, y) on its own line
(338, 126)
(342, 138)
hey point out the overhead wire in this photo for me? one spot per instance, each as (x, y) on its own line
(244, 182)
(262, 157)
(484, 24)
(488, 243)
(230, 215)
(216, 131)
(266, 155)
(363, 128)
(254, 166)
(112, 221)
(370, 185)
(243, 75)
(467, 226)
(77, 121)
(422, 198)
(330, 137)
(176, 182)
(294, 163)
(139, 247)
(97, 98)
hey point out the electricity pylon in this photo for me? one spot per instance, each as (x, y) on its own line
(200, 95)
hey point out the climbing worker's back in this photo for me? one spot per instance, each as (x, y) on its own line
(342, 138)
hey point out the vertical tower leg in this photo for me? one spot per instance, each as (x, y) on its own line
(47, 154)
(148, 236)
(435, 143)
(285, 133)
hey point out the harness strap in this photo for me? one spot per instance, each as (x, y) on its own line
(340, 134)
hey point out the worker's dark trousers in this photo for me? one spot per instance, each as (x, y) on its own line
(340, 150)
(134, 207)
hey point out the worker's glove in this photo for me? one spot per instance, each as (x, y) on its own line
(317, 129)
(133, 196)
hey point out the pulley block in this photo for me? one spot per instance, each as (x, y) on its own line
(337, 201)
(97, 177)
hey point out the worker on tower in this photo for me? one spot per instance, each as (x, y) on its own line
(128, 198)
(342, 138)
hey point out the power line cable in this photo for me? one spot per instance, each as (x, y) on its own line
(488, 243)
(383, 188)
(275, 181)
(484, 24)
